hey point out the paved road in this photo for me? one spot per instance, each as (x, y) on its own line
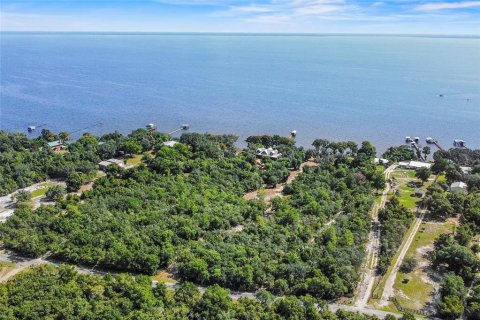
(366, 285)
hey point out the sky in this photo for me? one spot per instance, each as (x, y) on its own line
(262, 16)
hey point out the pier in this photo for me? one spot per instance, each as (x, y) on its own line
(433, 141)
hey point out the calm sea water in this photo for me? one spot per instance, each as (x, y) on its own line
(375, 88)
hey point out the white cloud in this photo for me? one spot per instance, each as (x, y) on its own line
(447, 5)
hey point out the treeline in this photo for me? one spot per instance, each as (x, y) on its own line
(24, 161)
(451, 161)
(395, 220)
(184, 207)
(457, 253)
(49, 292)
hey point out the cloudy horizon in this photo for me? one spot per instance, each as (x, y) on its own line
(261, 16)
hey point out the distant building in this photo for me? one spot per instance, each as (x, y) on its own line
(56, 145)
(458, 187)
(414, 165)
(104, 164)
(380, 161)
(466, 170)
(170, 143)
(268, 153)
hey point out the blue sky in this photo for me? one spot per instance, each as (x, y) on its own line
(311, 16)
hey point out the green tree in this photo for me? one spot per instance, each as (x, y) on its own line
(74, 182)
(22, 196)
(426, 151)
(423, 174)
(450, 307)
(55, 193)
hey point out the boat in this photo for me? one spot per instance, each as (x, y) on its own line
(31, 128)
(430, 140)
(408, 139)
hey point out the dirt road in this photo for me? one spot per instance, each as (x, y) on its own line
(370, 265)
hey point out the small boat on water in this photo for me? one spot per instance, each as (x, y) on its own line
(31, 128)
(408, 139)
(430, 140)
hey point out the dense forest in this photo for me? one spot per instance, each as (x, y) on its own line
(456, 254)
(49, 292)
(183, 209)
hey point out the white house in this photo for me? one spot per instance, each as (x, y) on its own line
(104, 164)
(170, 143)
(458, 187)
(380, 161)
(414, 164)
(466, 170)
(268, 153)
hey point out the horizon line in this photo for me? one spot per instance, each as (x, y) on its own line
(241, 33)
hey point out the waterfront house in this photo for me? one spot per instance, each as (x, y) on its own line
(56, 145)
(170, 143)
(380, 161)
(268, 153)
(414, 165)
(458, 187)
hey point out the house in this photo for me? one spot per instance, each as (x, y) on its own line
(170, 143)
(103, 165)
(118, 162)
(56, 145)
(380, 161)
(414, 165)
(466, 170)
(458, 187)
(268, 153)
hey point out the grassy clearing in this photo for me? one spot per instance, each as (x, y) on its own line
(164, 276)
(407, 197)
(415, 289)
(135, 161)
(6, 267)
(42, 191)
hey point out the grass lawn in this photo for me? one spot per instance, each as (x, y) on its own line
(42, 191)
(416, 288)
(164, 277)
(406, 197)
(6, 267)
(135, 161)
